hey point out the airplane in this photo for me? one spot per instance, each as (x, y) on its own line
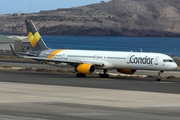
(88, 61)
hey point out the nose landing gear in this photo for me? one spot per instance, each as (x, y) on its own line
(158, 78)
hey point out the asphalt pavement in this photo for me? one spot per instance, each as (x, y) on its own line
(29, 95)
(52, 96)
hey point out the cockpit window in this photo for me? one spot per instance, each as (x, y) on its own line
(167, 60)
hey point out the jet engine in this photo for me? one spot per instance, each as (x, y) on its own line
(85, 68)
(126, 71)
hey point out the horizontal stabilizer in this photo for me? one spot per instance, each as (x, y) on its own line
(21, 54)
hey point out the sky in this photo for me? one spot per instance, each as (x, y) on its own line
(29, 6)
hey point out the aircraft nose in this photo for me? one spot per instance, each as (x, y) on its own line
(174, 66)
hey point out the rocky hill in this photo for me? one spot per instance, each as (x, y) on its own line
(114, 18)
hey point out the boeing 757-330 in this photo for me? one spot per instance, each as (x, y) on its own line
(88, 61)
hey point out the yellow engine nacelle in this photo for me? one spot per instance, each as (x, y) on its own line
(85, 68)
(126, 71)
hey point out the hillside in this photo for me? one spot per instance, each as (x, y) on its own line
(115, 18)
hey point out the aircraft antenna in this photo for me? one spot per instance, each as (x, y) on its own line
(141, 49)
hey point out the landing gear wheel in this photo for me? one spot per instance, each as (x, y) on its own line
(103, 75)
(158, 78)
(79, 75)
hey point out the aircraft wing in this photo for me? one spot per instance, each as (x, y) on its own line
(72, 62)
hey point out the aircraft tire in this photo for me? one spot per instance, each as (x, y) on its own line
(79, 75)
(104, 75)
(158, 79)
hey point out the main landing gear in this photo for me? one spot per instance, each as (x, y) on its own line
(80, 75)
(158, 78)
(104, 75)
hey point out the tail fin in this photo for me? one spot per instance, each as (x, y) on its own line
(34, 37)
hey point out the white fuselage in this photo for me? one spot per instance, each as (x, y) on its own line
(116, 60)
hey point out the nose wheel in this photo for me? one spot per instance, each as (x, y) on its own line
(158, 78)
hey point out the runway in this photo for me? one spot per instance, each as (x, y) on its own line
(52, 96)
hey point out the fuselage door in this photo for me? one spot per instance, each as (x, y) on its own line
(156, 60)
(95, 57)
(64, 57)
(128, 59)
